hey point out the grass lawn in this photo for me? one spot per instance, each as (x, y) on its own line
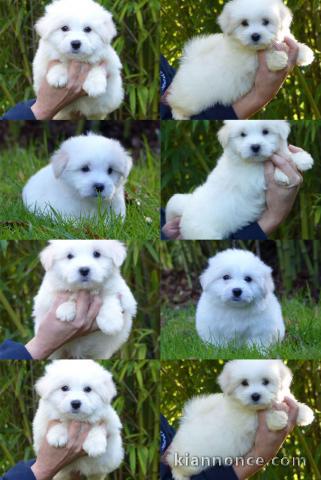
(179, 339)
(143, 202)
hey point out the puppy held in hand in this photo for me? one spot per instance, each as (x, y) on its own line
(92, 265)
(224, 425)
(82, 169)
(238, 302)
(80, 30)
(233, 195)
(222, 68)
(80, 390)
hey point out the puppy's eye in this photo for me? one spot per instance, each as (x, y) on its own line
(265, 21)
(87, 29)
(265, 131)
(226, 277)
(248, 279)
(245, 383)
(97, 254)
(85, 169)
(70, 256)
(87, 389)
(65, 388)
(245, 23)
(65, 28)
(265, 381)
(243, 134)
(110, 171)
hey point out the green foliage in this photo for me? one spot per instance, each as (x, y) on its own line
(137, 404)
(182, 380)
(137, 44)
(21, 275)
(299, 97)
(190, 151)
(26, 150)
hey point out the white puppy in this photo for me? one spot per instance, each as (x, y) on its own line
(80, 390)
(221, 68)
(224, 425)
(93, 265)
(233, 195)
(80, 30)
(82, 169)
(237, 303)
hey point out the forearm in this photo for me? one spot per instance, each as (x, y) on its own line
(38, 349)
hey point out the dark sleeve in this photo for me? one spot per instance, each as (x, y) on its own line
(214, 473)
(217, 112)
(10, 350)
(22, 111)
(251, 232)
(22, 471)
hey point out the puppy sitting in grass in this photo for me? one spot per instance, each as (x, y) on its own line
(81, 170)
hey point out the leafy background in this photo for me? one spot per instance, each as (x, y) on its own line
(137, 404)
(137, 44)
(300, 96)
(190, 151)
(21, 275)
(182, 380)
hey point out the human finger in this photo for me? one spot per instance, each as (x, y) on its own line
(288, 169)
(82, 305)
(269, 170)
(293, 412)
(95, 306)
(280, 406)
(295, 149)
(293, 51)
(52, 63)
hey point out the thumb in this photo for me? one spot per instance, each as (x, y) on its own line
(269, 171)
(262, 59)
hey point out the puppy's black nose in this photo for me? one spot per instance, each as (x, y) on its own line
(76, 44)
(99, 187)
(255, 397)
(75, 404)
(237, 292)
(84, 271)
(255, 148)
(256, 37)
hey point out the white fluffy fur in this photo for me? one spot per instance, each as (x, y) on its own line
(103, 444)
(221, 68)
(237, 303)
(103, 84)
(114, 319)
(224, 425)
(72, 192)
(233, 195)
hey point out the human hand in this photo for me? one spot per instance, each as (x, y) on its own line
(267, 83)
(267, 443)
(54, 333)
(50, 460)
(51, 100)
(171, 229)
(279, 199)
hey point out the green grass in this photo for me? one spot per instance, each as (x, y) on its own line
(142, 218)
(179, 339)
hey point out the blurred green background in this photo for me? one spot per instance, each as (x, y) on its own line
(137, 44)
(137, 404)
(182, 380)
(22, 273)
(300, 96)
(190, 151)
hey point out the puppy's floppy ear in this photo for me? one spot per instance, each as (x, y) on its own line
(225, 20)
(286, 16)
(106, 388)
(266, 281)
(47, 257)
(283, 128)
(45, 385)
(106, 28)
(117, 251)
(223, 135)
(59, 161)
(129, 164)
(207, 276)
(286, 375)
(225, 379)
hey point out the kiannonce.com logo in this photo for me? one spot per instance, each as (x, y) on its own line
(206, 462)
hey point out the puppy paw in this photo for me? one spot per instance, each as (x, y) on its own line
(95, 446)
(57, 76)
(179, 115)
(95, 85)
(276, 60)
(66, 312)
(305, 415)
(303, 160)
(276, 419)
(305, 55)
(177, 475)
(281, 178)
(110, 324)
(57, 436)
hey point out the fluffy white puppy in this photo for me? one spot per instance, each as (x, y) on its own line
(233, 195)
(221, 68)
(80, 390)
(93, 265)
(80, 30)
(82, 169)
(224, 425)
(237, 303)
